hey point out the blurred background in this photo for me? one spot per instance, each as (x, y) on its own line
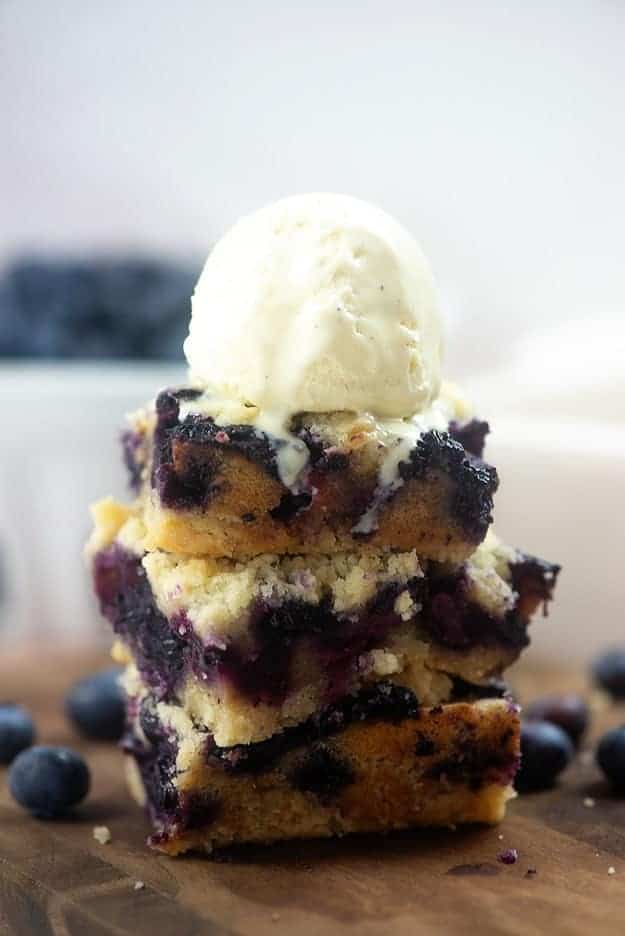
(134, 133)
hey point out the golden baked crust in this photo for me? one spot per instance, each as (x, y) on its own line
(448, 765)
(416, 518)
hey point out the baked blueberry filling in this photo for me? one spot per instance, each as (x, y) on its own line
(475, 482)
(323, 772)
(186, 466)
(132, 453)
(454, 621)
(384, 701)
(156, 759)
(477, 762)
(185, 461)
(260, 666)
(126, 600)
(471, 435)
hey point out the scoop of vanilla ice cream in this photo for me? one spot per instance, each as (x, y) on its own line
(317, 303)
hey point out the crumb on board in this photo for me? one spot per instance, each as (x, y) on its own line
(509, 856)
(102, 834)
(611, 870)
(500, 837)
(275, 917)
(531, 872)
(139, 885)
(589, 802)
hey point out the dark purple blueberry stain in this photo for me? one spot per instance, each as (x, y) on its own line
(134, 457)
(323, 772)
(471, 435)
(156, 761)
(534, 579)
(126, 600)
(197, 809)
(452, 620)
(508, 857)
(382, 702)
(291, 505)
(476, 762)
(424, 746)
(259, 667)
(475, 482)
(186, 456)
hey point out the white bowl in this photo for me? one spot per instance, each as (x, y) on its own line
(59, 427)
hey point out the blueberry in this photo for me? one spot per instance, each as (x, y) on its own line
(611, 756)
(48, 781)
(545, 751)
(17, 731)
(609, 672)
(568, 711)
(95, 705)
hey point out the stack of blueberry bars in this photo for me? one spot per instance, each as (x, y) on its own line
(313, 613)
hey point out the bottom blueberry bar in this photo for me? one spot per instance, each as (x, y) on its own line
(374, 762)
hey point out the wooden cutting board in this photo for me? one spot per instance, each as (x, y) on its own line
(56, 879)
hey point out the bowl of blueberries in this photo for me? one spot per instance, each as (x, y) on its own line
(95, 309)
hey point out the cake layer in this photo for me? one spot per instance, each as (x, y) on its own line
(217, 488)
(252, 648)
(374, 762)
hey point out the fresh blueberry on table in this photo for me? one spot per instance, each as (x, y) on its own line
(609, 672)
(545, 751)
(95, 706)
(17, 731)
(568, 711)
(611, 756)
(48, 781)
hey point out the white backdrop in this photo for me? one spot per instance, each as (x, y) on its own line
(493, 129)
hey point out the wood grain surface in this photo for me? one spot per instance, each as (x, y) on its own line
(56, 879)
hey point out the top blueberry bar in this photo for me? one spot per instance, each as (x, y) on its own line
(217, 490)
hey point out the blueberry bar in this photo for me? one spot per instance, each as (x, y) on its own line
(374, 761)
(252, 648)
(338, 483)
